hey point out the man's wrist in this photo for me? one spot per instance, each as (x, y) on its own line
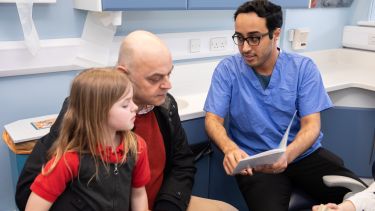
(230, 148)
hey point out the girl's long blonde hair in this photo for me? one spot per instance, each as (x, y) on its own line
(84, 127)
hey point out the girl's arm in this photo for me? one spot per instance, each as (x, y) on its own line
(139, 199)
(345, 206)
(36, 202)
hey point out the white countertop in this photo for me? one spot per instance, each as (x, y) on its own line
(340, 69)
(346, 68)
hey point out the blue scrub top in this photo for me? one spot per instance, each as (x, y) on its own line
(259, 117)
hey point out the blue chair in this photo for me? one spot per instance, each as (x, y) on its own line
(299, 200)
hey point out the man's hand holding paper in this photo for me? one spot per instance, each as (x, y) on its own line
(231, 159)
(273, 161)
(275, 168)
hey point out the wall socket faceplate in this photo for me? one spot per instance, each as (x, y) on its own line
(299, 38)
(195, 45)
(218, 44)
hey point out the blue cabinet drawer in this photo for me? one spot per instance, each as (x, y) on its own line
(113, 5)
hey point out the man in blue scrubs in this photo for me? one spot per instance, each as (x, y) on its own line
(259, 90)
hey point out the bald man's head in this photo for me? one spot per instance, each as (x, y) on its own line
(148, 63)
(139, 46)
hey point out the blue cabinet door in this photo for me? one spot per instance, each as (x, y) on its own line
(222, 186)
(292, 3)
(195, 133)
(17, 163)
(195, 130)
(233, 4)
(214, 4)
(349, 133)
(116, 5)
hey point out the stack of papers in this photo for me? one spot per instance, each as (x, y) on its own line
(30, 129)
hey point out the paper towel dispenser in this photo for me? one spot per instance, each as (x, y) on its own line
(359, 37)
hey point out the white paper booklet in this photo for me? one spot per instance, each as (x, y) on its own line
(267, 157)
(30, 129)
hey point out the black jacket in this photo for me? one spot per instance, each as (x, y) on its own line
(179, 171)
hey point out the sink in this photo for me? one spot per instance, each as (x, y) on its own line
(182, 104)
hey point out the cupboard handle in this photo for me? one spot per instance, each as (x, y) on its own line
(373, 148)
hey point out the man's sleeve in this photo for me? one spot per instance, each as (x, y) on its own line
(177, 186)
(35, 161)
(312, 96)
(219, 94)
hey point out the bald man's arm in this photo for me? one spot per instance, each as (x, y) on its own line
(180, 168)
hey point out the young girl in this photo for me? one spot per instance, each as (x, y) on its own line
(96, 155)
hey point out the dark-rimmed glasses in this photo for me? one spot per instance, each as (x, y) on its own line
(252, 40)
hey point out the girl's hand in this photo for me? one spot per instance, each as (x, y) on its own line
(327, 207)
(345, 206)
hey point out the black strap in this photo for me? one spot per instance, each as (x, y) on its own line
(200, 150)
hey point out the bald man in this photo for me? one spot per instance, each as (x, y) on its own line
(148, 63)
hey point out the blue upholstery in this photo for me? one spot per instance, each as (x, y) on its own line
(300, 201)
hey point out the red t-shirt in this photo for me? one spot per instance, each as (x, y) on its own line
(51, 186)
(146, 125)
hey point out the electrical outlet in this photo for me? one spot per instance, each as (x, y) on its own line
(218, 44)
(195, 45)
(300, 38)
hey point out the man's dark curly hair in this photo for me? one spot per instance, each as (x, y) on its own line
(264, 9)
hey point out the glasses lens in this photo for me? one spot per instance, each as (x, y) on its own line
(238, 40)
(253, 40)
